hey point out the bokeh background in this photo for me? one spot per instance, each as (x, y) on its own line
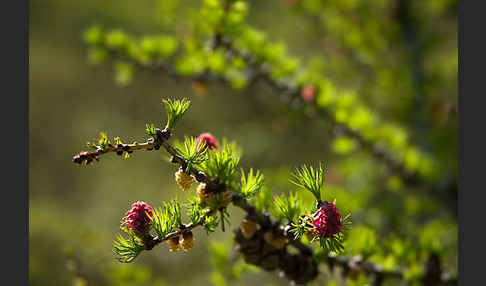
(75, 210)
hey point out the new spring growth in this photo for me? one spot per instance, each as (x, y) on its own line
(326, 224)
(310, 178)
(138, 217)
(175, 110)
(192, 151)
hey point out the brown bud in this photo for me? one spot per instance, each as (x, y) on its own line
(187, 241)
(201, 192)
(183, 179)
(173, 244)
(248, 228)
(275, 240)
(212, 198)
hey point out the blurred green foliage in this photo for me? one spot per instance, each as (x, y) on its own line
(386, 69)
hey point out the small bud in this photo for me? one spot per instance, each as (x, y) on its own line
(248, 228)
(307, 93)
(183, 179)
(173, 244)
(211, 198)
(187, 241)
(211, 142)
(275, 240)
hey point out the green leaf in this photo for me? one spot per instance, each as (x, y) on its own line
(302, 227)
(127, 249)
(103, 141)
(94, 36)
(299, 231)
(193, 151)
(343, 145)
(117, 39)
(175, 110)
(224, 218)
(97, 55)
(263, 200)
(223, 163)
(150, 130)
(252, 184)
(166, 219)
(310, 179)
(218, 279)
(333, 244)
(195, 210)
(210, 224)
(159, 47)
(287, 207)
